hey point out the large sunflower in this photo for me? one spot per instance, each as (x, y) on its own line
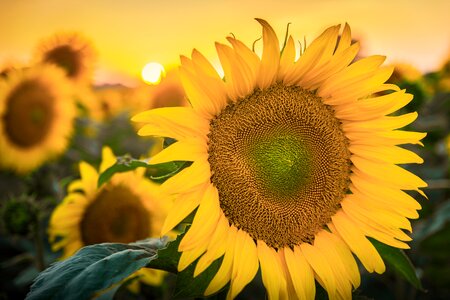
(294, 165)
(36, 114)
(70, 51)
(126, 209)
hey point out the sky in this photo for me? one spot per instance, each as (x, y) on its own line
(129, 34)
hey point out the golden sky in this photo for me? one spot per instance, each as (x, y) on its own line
(128, 34)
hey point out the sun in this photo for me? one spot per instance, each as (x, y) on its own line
(152, 73)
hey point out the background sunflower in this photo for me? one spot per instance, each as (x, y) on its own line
(37, 112)
(70, 51)
(126, 209)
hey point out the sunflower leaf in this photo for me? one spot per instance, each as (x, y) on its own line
(398, 261)
(168, 257)
(93, 269)
(158, 172)
(187, 286)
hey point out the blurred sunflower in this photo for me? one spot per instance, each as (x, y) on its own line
(408, 77)
(70, 51)
(168, 93)
(289, 165)
(444, 75)
(109, 102)
(9, 66)
(126, 209)
(36, 115)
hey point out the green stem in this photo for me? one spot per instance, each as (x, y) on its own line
(39, 247)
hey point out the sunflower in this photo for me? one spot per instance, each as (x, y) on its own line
(110, 101)
(70, 51)
(126, 209)
(405, 72)
(37, 111)
(294, 165)
(168, 93)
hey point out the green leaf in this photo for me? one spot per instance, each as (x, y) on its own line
(158, 172)
(186, 286)
(93, 269)
(168, 257)
(398, 261)
(123, 164)
(189, 287)
(433, 224)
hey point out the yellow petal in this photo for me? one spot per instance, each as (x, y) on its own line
(345, 39)
(287, 58)
(238, 75)
(336, 64)
(223, 275)
(174, 122)
(216, 246)
(315, 258)
(352, 73)
(357, 242)
(199, 99)
(250, 57)
(383, 123)
(89, 177)
(271, 270)
(398, 177)
(395, 137)
(330, 255)
(210, 82)
(189, 149)
(270, 60)
(345, 254)
(245, 264)
(301, 273)
(377, 202)
(317, 54)
(75, 186)
(386, 154)
(188, 179)
(108, 159)
(370, 188)
(181, 208)
(375, 230)
(373, 107)
(360, 86)
(290, 292)
(203, 65)
(189, 256)
(205, 220)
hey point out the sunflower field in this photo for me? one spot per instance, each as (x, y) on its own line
(277, 166)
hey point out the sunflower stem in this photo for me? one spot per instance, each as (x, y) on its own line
(39, 247)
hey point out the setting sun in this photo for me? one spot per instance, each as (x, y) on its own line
(152, 73)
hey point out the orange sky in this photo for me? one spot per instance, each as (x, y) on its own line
(128, 34)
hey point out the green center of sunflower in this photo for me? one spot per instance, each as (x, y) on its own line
(65, 57)
(280, 162)
(29, 114)
(116, 215)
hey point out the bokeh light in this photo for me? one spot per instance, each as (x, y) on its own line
(152, 73)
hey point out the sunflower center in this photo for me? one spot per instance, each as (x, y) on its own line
(66, 58)
(281, 164)
(116, 216)
(28, 115)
